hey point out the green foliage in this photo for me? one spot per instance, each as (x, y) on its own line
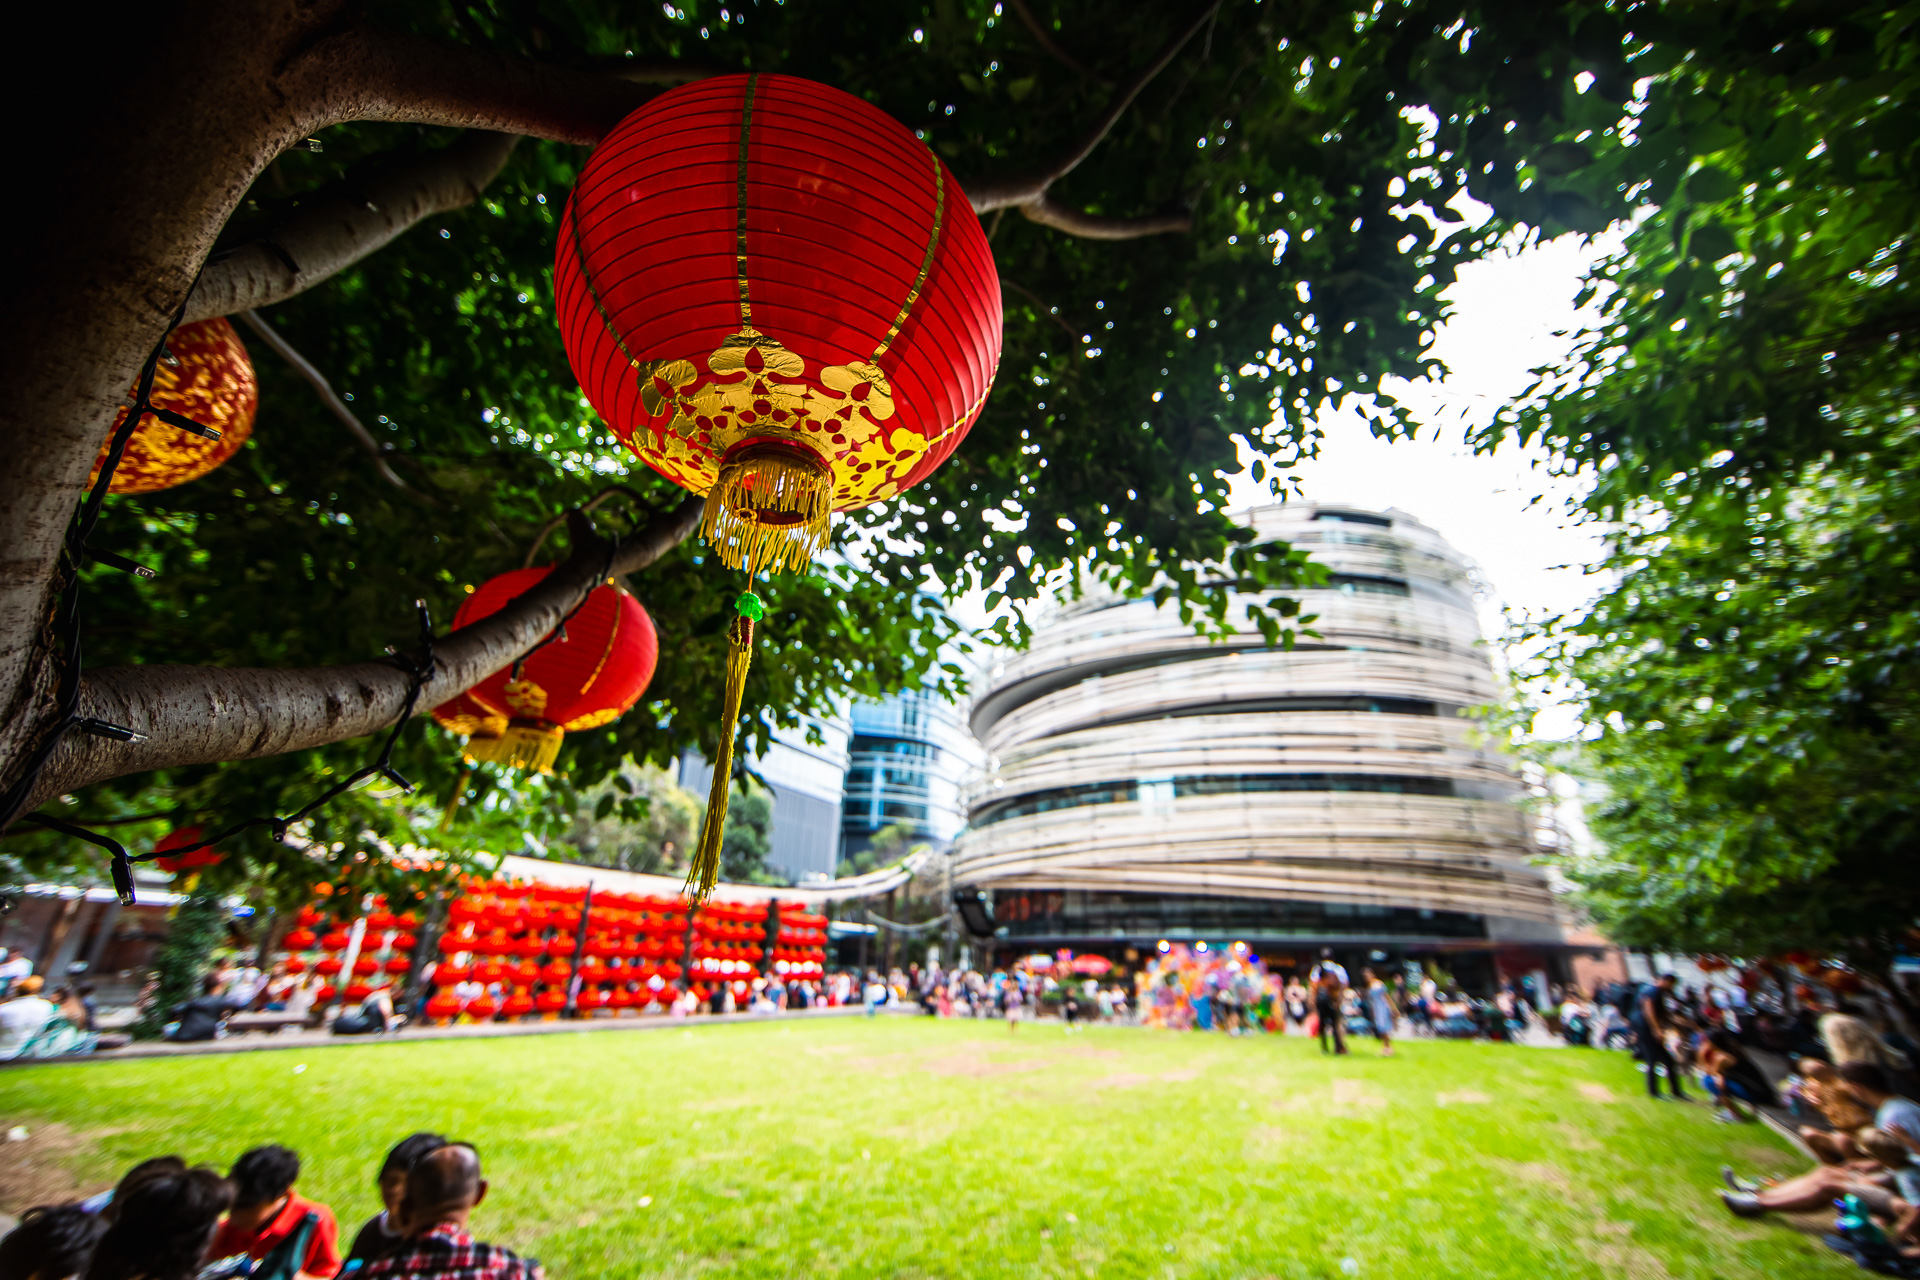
(1121, 1152)
(1744, 412)
(637, 820)
(884, 848)
(1314, 147)
(186, 957)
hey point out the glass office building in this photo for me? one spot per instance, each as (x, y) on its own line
(906, 758)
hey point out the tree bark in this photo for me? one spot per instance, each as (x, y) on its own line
(204, 715)
(343, 223)
(183, 107)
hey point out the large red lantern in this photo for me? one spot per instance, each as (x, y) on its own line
(582, 679)
(208, 378)
(779, 297)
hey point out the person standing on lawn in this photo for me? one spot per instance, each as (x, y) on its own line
(267, 1214)
(1379, 1010)
(1655, 1018)
(443, 1188)
(1329, 981)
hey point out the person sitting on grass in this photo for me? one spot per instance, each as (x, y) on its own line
(267, 1214)
(52, 1242)
(1886, 1181)
(382, 1233)
(443, 1187)
(1732, 1079)
(204, 1016)
(161, 1227)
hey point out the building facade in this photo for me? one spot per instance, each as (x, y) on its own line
(906, 759)
(1144, 784)
(805, 779)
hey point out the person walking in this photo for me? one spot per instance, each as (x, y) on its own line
(1329, 981)
(1380, 1010)
(1654, 1019)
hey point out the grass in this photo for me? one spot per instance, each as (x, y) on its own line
(910, 1147)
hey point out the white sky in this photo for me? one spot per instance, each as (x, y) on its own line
(1500, 510)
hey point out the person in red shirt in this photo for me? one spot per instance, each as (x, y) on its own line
(267, 1213)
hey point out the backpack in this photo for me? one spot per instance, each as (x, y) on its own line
(285, 1259)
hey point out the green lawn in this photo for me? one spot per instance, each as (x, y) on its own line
(910, 1147)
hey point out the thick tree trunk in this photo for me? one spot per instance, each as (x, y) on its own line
(181, 109)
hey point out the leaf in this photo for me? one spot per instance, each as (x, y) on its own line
(1711, 242)
(1019, 89)
(605, 806)
(1562, 158)
(1711, 185)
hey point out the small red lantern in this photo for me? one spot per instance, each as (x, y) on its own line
(405, 941)
(380, 921)
(308, 918)
(182, 838)
(295, 965)
(550, 1001)
(327, 966)
(448, 973)
(337, 940)
(207, 376)
(583, 680)
(443, 1005)
(517, 1005)
(358, 991)
(490, 972)
(366, 966)
(299, 940)
(325, 993)
(482, 1008)
(556, 972)
(398, 965)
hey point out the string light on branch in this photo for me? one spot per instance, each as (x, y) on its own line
(203, 402)
(778, 297)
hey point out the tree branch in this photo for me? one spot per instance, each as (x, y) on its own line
(334, 403)
(345, 221)
(207, 715)
(366, 73)
(1020, 189)
(1049, 212)
(1047, 43)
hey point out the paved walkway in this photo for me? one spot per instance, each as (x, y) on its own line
(253, 1042)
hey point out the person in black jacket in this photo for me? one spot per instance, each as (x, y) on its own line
(201, 1017)
(1654, 1019)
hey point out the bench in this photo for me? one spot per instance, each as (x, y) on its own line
(267, 1022)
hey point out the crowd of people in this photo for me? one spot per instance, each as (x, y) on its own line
(38, 1023)
(166, 1220)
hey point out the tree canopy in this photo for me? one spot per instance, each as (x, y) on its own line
(1744, 411)
(1209, 222)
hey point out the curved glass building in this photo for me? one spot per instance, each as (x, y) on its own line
(1145, 784)
(905, 761)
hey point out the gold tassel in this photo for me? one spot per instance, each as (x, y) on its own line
(769, 509)
(704, 871)
(522, 744)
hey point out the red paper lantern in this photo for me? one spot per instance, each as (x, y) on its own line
(550, 1001)
(451, 973)
(462, 715)
(481, 1008)
(444, 1005)
(337, 940)
(556, 972)
(308, 918)
(777, 296)
(299, 940)
(582, 681)
(208, 379)
(366, 966)
(325, 993)
(405, 941)
(328, 966)
(358, 991)
(490, 972)
(517, 1005)
(295, 965)
(398, 964)
(184, 837)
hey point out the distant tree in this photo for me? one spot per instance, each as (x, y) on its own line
(637, 820)
(748, 839)
(186, 957)
(884, 847)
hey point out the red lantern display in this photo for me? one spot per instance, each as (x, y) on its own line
(777, 296)
(517, 1005)
(397, 965)
(482, 1008)
(336, 940)
(583, 680)
(299, 940)
(444, 1005)
(207, 376)
(328, 966)
(183, 837)
(550, 1001)
(366, 966)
